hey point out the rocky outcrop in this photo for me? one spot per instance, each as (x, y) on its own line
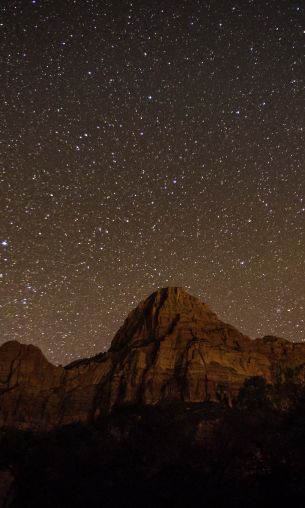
(171, 347)
(28, 387)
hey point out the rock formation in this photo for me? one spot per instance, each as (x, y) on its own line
(171, 347)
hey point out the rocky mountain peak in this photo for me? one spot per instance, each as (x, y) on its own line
(158, 315)
(176, 299)
(171, 347)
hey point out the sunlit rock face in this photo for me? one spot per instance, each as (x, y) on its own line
(171, 347)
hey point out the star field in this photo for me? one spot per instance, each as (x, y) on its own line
(146, 144)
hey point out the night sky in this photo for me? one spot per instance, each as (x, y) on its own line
(146, 144)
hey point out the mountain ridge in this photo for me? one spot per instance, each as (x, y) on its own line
(171, 347)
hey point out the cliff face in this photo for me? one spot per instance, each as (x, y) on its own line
(28, 386)
(171, 347)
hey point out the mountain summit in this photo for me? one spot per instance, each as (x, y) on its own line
(156, 317)
(172, 347)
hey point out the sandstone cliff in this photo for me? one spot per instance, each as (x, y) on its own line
(171, 347)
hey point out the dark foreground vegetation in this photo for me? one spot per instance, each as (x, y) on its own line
(204, 455)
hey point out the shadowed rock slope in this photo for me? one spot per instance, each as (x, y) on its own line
(171, 347)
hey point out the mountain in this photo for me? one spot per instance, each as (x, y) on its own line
(172, 347)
